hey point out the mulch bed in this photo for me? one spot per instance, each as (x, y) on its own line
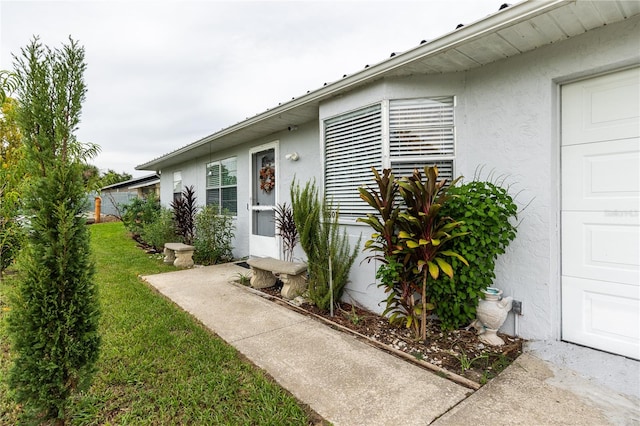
(457, 354)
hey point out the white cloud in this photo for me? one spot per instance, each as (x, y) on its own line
(162, 74)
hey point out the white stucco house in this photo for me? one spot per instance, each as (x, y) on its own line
(545, 92)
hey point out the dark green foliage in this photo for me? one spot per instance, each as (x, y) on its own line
(54, 317)
(162, 230)
(10, 240)
(214, 235)
(112, 177)
(327, 248)
(184, 215)
(11, 232)
(489, 214)
(286, 228)
(140, 212)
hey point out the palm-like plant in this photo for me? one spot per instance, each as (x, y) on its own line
(410, 241)
(423, 233)
(395, 273)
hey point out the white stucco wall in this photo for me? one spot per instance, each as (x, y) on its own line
(507, 120)
(304, 141)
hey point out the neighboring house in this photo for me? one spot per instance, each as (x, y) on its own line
(113, 196)
(542, 92)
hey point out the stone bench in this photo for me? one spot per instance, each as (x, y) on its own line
(291, 274)
(181, 255)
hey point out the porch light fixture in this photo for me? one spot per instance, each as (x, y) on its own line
(292, 157)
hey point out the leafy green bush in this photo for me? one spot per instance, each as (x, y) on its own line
(489, 214)
(322, 241)
(161, 230)
(140, 211)
(213, 236)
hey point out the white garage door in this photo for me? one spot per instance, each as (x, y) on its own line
(600, 212)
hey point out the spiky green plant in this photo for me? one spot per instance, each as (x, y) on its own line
(410, 240)
(184, 215)
(424, 233)
(395, 271)
(324, 242)
(286, 229)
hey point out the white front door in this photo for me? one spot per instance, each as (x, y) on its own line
(600, 212)
(262, 240)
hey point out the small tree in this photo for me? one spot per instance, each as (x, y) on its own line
(54, 320)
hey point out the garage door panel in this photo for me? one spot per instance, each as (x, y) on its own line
(601, 246)
(600, 214)
(602, 175)
(603, 108)
(604, 320)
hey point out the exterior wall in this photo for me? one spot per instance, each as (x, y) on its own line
(304, 141)
(507, 120)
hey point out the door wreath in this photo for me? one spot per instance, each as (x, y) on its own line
(267, 179)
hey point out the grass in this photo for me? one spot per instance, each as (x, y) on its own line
(157, 365)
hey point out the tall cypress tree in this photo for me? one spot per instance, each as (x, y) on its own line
(54, 322)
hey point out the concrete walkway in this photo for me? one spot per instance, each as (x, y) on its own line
(348, 382)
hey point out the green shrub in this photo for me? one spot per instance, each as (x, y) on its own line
(139, 212)
(161, 230)
(322, 241)
(213, 236)
(489, 214)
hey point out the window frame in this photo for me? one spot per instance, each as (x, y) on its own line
(177, 184)
(386, 157)
(221, 186)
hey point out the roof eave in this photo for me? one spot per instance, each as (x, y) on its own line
(505, 17)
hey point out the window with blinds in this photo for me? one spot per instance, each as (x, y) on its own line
(222, 184)
(421, 133)
(353, 144)
(177, 185)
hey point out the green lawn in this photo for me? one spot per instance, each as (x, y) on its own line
(157, 365)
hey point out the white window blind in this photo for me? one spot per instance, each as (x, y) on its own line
(421, 133)
(177, 185)
(353, 144)
(222, 184)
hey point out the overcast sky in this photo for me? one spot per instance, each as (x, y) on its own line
(163, 74)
